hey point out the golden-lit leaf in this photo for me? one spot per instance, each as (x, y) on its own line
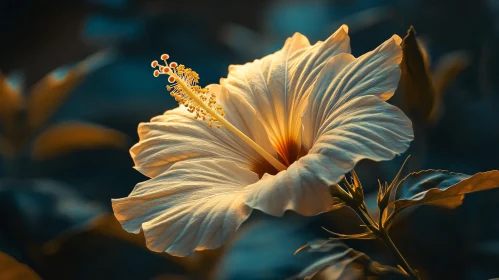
(66, 137)
(336, 262)
(357, 186)
(441, 188)
(448, 67)
(390, 192)
(11, 102)
(199, 261)
(342, 262)
(363, 235)
(450, 203)
(423, 46)
(99, 243)
(104, 225)
(50, 92)
(337, 204)
(11, 269)
(107, 225)
(415, 79)
(318, 245)
(204, 263)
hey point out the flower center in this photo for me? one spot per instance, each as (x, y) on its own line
(185, 89)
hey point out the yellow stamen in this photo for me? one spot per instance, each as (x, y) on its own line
(198, 100)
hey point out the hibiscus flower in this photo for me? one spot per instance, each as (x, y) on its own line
(272, 136)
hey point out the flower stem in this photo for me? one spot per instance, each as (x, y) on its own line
(383, 235)
(388, 241)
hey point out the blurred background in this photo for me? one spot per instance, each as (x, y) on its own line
(76, 81)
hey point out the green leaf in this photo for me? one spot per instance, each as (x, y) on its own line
(343, 262)
(11, 269)
(415, 78)
(440, 187)
(66, 137)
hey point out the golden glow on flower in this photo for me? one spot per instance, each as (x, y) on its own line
(313, 110)
(200, 101)
(189, 80)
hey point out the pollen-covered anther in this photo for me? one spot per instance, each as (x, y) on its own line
(186, 91)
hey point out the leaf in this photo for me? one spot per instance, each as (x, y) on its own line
(318, 245)
(65, 137)
(11, 102)
(446, 71)
(29, 204)
(423, 46)
(104, 225)
(272, 242)
(343, 262)
(50, 93)
(101, 249)
(11, 269)
(337, 204)
(441, 188)
(340, 259)
(415, 78)
(363, 235)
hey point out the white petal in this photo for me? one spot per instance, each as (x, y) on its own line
(344, 78)
(307, 63)
(364, 127)
(195, 205)
(243, 116)
(276, 86)
(298, 188)
(177, 136)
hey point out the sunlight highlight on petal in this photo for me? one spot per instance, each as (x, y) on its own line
(181, 211)
(276, 86)
(343, 78)
(295, 123)
(186, 91)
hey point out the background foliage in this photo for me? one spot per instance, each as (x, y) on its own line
(83, 69)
